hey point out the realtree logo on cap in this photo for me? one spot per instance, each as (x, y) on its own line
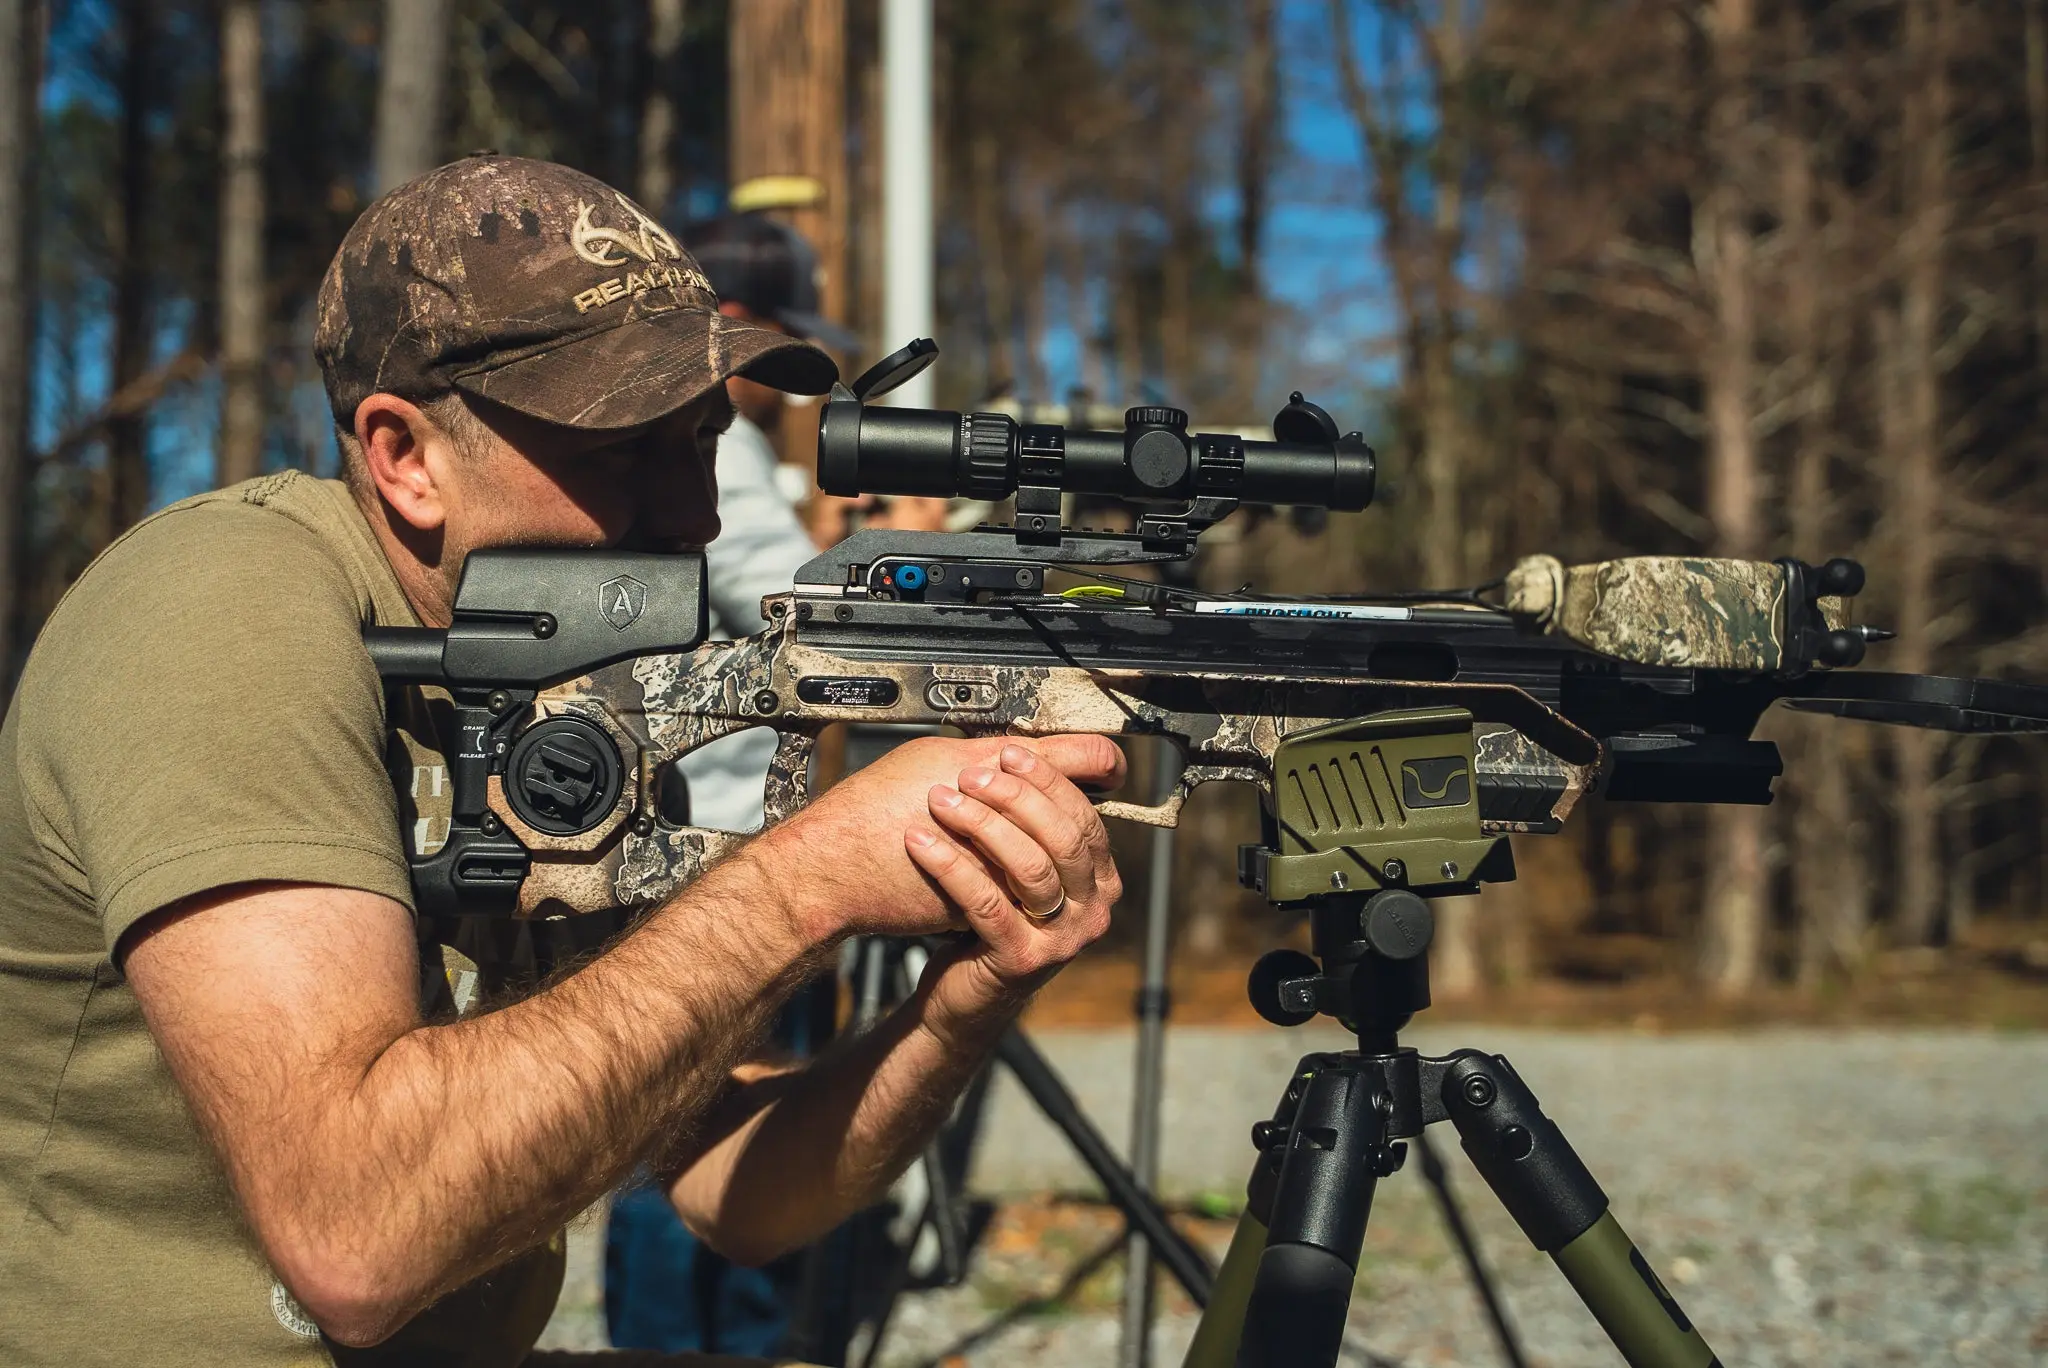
(616, 247)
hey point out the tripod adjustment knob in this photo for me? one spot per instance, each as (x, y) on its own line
(1398, 924)
(1283, 987)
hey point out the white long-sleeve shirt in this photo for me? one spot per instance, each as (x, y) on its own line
(758, 550)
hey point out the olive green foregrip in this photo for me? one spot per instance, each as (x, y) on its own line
(1617, 1285)
(1222, 1323)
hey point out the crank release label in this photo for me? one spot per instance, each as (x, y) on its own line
(847, 691)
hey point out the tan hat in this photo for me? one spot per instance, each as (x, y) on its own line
(540, 288)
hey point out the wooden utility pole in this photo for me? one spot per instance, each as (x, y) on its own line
(788, 120)
(788, 152)
(241, 244)
(409, 91)
(21, 46)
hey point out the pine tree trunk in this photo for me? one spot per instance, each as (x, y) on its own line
(1731, 949)
(21, 48)
(657, 177)
(410, 96)
(986, 195)
(1828, 877)
(1830, 891)
(242, 309)
(1258, 129)
(1457, 962)
(2037, 143)
(1916, 498)
(127, 432)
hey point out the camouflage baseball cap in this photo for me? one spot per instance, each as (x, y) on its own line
(536, 287)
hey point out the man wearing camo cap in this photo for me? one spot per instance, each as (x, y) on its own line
(253, 1108)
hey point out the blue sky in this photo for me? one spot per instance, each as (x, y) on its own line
(1322, 255)
(1322, 264)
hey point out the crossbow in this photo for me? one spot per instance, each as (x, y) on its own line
(1397, 740)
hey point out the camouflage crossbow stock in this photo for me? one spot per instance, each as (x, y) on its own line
(579, 677)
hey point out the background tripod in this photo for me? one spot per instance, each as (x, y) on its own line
(856, 1277)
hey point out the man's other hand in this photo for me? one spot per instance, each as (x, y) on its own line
(1025, 858)
(848, 864)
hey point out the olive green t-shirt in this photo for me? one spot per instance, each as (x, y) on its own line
(198, 712)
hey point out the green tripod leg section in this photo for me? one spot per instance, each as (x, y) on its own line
(1617, 1285)
(1539, 1178)
(1222, 1323)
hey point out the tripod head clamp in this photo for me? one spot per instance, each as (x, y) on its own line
(1365, 816)
(1385, 801)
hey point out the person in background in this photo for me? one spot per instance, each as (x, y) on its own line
(765, 273)
(664, 1289)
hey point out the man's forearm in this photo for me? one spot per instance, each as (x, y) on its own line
(469, 1141)
(803, 1151)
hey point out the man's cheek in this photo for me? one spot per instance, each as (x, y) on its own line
(682, 502)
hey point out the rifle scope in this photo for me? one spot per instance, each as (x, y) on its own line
(869, 449)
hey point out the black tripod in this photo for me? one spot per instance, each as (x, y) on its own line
(1284, 1292)
(844, 1318)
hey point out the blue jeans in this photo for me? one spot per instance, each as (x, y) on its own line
(663, 1289)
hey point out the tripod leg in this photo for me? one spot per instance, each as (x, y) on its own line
(1332, 1150)
(1531, 1167)
(1222, 1323)
(1134, 1346)
(1440, 1183)
(1181, 1258)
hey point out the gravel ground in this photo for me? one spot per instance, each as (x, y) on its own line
(1813, 1198)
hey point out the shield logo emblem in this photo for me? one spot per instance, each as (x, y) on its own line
(620, 600)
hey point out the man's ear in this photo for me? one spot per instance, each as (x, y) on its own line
(395, 437)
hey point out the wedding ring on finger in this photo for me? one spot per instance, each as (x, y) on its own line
(1049, 913)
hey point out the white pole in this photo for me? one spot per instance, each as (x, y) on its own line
(907, 241)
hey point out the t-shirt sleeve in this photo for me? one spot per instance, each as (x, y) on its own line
(200, 712)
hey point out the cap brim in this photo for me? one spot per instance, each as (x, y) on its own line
(648, 368)
(819, 329)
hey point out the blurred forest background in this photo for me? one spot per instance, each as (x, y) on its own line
(1721, 276)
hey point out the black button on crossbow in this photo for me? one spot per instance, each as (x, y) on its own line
(563, 776)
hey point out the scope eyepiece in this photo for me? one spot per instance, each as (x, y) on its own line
(937, 453)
